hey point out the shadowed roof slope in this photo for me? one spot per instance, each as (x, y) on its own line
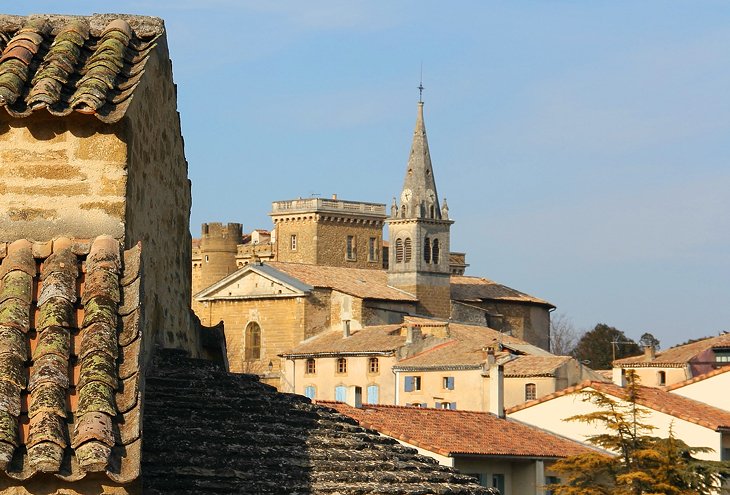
(450, 432)
(465, 288)
(64, 64)
(677, 356)
(381, 338)
(69, 359)
(208, 431)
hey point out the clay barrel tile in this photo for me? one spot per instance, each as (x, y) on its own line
(130, 360)
(128, 394)
(104, 254)
(130, 297)
(8, 429)
(101, 283)
(47, 398)
(56, 312)
(61, 261)
(45, 457)
(12, 370)
(10, 398)
(130, 328)
(17, 284)
(129, 428)
(98, 366)
(47, 427)
(15, 313)
(60, 285)
(93, 426)
(125, 462)
(119, 25)
(12, 341)
(100, 310)
(53, 340)
(131, 264)
(20, 257)
(93, 456)
(96, 397)
(49, 368)
(98, 337)
(6, 454)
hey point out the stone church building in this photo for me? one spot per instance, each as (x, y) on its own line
(325, 265)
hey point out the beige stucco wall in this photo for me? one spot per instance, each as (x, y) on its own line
(649, 376)
(326, 377)
(713, 391)
(550, 415)
(470, 389)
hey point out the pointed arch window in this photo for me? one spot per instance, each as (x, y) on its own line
(407, 250)
(399, 250)
(435, 251)
(427, 250)
(403, 211)
(253, 341)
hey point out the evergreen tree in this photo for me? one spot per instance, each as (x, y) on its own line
(600, 346)
(643, 464)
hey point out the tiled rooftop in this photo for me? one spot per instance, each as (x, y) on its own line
(69, 350)
(358, 282)
(208, 431)
(474, 289)
(90, 65)
(653, 398)
(676, 356)
(449, 432)
(381, 338)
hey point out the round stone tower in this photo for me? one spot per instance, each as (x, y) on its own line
(218, 246)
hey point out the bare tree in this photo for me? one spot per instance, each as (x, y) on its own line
(563, 335)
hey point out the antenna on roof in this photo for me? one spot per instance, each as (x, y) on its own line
(420, 86)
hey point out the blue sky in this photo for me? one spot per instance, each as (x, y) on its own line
(583, 146)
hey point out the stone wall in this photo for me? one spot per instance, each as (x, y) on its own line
(157, 210)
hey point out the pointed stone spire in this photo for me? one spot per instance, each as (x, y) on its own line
(419, 196)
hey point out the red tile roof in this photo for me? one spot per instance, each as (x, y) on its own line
(652, 398)
(69, 359)
(675, 356)
(66, 64)
(382, 338)
(358, 282)
(449, 432)
(698, 378)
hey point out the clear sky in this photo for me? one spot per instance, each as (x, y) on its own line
(583, 146)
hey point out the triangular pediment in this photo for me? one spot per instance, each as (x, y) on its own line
(255, 281)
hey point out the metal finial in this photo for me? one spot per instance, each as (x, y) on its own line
(420, 86)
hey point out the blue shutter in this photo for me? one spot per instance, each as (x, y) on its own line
(452, 405)
(423, 404)
(409, 384)
(450, 383)
(309, 392)
(341, 393)
(373, 394)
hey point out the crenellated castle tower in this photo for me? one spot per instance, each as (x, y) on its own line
(215, 257)
(419, 231)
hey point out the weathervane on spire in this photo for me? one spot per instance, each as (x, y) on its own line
(420, 86)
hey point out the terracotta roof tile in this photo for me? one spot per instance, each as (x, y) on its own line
(465, 288)
(676, 356)
(358, 282)
(383, 338)
(449, 432)
(68, 427)
(653, 398)
(63, 64)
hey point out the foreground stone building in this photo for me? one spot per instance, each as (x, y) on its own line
(99, 388)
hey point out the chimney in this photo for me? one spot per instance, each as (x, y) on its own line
(345, 328)
(334, 196)
(496, 390)
(619, 377)
(649, 352)
(354, 396)
(412, 333)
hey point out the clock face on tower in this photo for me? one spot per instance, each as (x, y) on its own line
(405, 197)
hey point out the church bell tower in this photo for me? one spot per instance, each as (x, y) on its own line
(419, 231)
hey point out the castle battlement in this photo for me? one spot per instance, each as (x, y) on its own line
(317, 205)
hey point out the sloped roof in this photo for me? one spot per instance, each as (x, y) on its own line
(381, 338)
(474, 289)
(652, 398)
(358, 282)
(675, 356)
(74, 306)
(465, 347)
(698, 378)
(208, 431)
(66, 64)
(454, 432)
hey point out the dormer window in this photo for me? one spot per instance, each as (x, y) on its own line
(722, 355)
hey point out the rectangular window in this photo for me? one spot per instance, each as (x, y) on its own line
(551, 480)
(373, 365)
(341, 365)
(309, 391)
(722, 355)
(350, 248)
(373, 249)
(341, 393)
(373, 392)
(498, 482)
(448, 383)
(446, 405)
(412, 383)
(311, 366)
(293, 242)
